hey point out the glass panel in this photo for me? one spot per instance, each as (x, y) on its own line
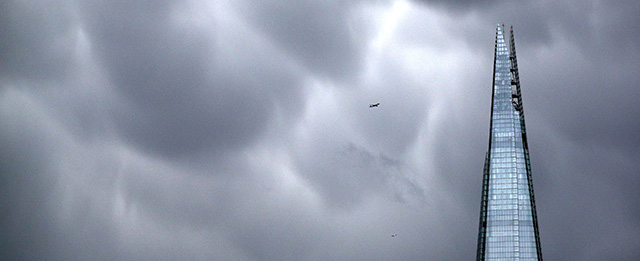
(510, 233)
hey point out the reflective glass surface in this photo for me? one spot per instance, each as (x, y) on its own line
(510, 232)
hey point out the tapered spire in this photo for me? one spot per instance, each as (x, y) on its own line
(508, 227)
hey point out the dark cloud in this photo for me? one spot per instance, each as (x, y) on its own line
(35, 41)
(24, 167)
(184, 97)
(241, 131)
(345, 177)
(316, 33)
(460, 6)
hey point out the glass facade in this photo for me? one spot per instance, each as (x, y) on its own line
(508, 223)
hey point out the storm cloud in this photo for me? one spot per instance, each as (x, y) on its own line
(240, 130)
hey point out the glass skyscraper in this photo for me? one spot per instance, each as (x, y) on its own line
(508, 222)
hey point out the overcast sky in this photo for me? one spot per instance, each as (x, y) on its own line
(240, 130)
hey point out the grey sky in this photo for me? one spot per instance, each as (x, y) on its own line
(240, 130)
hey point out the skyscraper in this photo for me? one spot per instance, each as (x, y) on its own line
(508, 222)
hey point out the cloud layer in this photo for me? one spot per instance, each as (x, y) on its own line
(241, 130)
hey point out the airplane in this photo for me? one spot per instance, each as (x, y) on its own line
(374, 105)
(394, 235)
